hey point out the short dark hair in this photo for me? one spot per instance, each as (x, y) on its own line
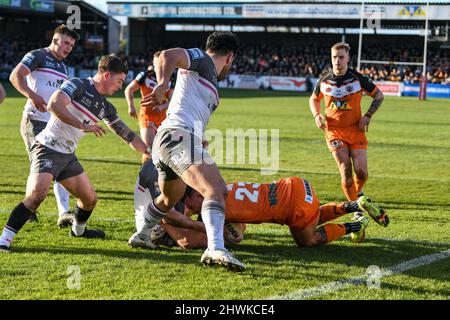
(65, 30)
(222, 42)
(113, 64)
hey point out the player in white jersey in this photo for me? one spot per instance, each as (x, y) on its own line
(2, 94)
(177, 151)
(76, 107)
(40, 73)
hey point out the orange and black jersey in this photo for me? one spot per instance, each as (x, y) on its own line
(147, 81)
(342, 95)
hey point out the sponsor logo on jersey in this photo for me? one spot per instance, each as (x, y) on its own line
(101, 114)
(86, 101)
(29, 58)
(308, 192)
(196, 53)
(339, 92)
(54, 84)
(68, 87)
(340, 105)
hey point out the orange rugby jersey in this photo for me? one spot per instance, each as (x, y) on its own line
(342, 95)
(147, 82)
(265, 203)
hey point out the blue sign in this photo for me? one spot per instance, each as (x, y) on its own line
(433, 90)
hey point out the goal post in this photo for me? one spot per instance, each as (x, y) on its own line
(423, 64)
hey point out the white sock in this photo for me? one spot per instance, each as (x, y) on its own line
(78, 228)
(7, 237)
(152, 216)
(62, 198)
(213, 216)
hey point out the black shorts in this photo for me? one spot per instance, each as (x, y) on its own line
(61, 165)
(175, 150)
(29, 129)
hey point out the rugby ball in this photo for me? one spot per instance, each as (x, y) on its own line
(234, 232)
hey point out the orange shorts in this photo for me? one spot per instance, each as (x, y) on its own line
(351, 137)
(305, 205)
(147, 116)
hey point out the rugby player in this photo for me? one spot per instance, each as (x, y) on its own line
(342, 89)
(75, 109)
(290, 201)
(40, 73)
(150, 118)
(177, 150)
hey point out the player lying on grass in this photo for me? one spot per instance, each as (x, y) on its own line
(290, 201)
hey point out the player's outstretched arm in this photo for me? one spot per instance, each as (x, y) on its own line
(129, 136)
(57, 105)
(167, 62)
(2, 94)
(180, 220)
(378, 98)
(19, 81)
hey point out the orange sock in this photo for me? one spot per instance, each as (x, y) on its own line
(331, 211)
(359, 184)
(350, 192)
(334, 231)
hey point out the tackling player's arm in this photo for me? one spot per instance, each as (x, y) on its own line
(19, 81)
(57, 105)
(129, 136)
(180, 220)
(129, 96)
(2, 94)
(314, 106)
(167, 62)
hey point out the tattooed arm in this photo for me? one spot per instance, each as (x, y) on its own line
(378, 98)
(128, 135)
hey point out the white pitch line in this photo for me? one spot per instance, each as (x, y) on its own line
(335, 286)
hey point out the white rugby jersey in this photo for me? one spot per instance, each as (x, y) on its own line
(87, 105)
(47, 75)
(195, 96)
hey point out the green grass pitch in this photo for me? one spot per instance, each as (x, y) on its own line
(409, 174)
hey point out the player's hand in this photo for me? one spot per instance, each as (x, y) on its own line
(97, 130)
(320, 121)
(39, 102)
(132, 112)
(364, 124)
(155, 98)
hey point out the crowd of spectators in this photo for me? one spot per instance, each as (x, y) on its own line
(307, 60)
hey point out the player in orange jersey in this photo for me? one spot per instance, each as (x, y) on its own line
(290, 201)
(150, 118)
(342, 90)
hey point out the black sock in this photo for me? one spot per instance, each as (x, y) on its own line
(352, 227)
(81, 215)
(351, 206)
(18, 217)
